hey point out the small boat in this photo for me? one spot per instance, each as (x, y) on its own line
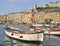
(31, 35)
(52, 32)
(49, 29)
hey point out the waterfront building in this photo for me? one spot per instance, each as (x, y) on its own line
(0, 18)
(40, 17)
(23, 18)
(36, 14)
(30, 15)
(3, 18)
(28, 18)
(54, 16)
(14, 17)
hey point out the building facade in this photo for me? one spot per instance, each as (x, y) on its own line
(33, 16)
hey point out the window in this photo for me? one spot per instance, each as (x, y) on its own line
(12, 34)
(21, 36)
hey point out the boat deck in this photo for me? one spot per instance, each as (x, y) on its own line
(22, 32)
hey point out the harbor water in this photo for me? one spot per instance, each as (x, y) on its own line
(49, 40)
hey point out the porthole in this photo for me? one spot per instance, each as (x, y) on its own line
(21, 36)
(12, 34)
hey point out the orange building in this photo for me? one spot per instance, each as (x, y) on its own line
(3, 18)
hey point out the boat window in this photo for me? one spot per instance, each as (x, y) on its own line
(21, 36)
(12, 34)
(7, 28)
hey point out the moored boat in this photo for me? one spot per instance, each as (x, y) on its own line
(49, 29)
(52, 32)
(31, 35)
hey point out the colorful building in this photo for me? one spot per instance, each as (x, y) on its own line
(34, 15)
(3, 18)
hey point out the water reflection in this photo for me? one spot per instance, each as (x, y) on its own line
(12, 42)
(51, 40)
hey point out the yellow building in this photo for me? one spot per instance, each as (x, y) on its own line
(27, 17)
(14, 17)
(3, 18)
(55, 16)
(23, 18)
(40, 17)
(35, 16)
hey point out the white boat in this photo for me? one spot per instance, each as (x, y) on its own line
(47, 25)
(22, 35)
(52, 32)
(37, 24)
(49, 29)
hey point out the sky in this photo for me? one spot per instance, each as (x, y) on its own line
(12, 6)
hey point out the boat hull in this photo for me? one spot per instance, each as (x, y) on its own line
(52, 33)
(26, 37)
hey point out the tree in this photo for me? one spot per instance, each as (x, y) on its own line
(48, 21)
